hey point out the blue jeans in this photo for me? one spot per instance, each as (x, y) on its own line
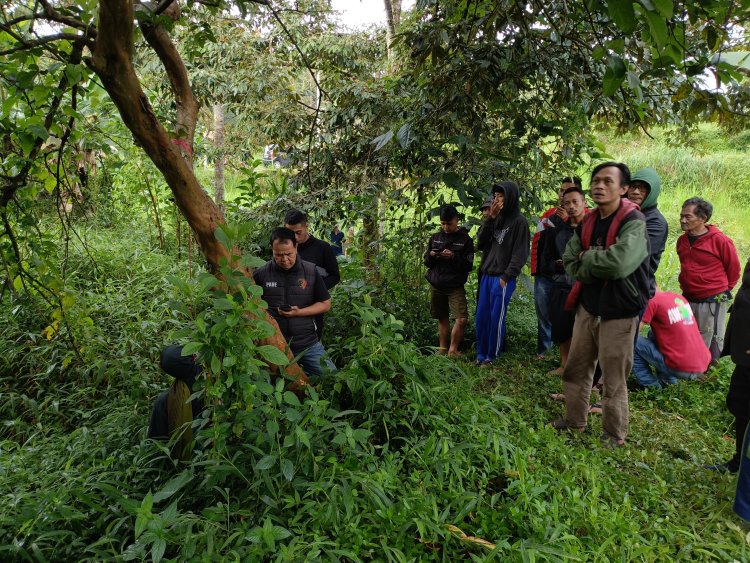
(310, 362)
(491, 316)
(542, 289)
(646, 355)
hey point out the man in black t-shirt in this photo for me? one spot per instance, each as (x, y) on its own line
(316, 251)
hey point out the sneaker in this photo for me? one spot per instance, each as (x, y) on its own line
(730, 466)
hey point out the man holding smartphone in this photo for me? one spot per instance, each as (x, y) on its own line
(449, 258)
(296, 294)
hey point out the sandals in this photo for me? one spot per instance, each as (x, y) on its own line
(610, 442)
(596, 408)
(556, 372)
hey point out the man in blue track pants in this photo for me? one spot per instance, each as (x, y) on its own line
(504, 238)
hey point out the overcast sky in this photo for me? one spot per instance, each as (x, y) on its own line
(362, 13)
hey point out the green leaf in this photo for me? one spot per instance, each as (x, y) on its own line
(215, 364)
(664, 7)
(452, 180)
(273, 355)
(191, 348)
(173, 485)
(291, 399)
(405, 135)
(599, 53)
(658, 28)
(613, 75)
(382, 140)
(623, 14)
(223, 304)
(157, 550)
(222, 237)
(252, 261)
(287, 469)
(265, 463)
(272, 427)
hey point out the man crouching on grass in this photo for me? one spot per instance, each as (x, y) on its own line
(608, 258)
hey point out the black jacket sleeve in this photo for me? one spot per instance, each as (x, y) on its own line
(464, 260)
(520, 250)
(430, 261)
(657, 229)
(484, 237)
(332, 267)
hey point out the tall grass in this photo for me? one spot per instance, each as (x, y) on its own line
(715, 167)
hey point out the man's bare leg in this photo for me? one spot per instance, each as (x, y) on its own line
(457, 336)
(444, 334)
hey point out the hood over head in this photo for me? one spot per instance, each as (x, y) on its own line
(651, 177)
(511, 206)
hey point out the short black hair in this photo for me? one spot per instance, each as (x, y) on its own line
(703, 209)
(623, 168)
(575, 189)
(281, 234)
(448, 213)
(295, 217)
(574, 179)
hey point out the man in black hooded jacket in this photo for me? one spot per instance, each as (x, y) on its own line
(504, 238)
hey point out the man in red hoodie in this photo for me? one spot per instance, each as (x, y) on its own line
(709, 269)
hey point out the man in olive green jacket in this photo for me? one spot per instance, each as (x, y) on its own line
(608, 257)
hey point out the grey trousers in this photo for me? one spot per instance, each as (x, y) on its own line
(611, 342)
(706, 315)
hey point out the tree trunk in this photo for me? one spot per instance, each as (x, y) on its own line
(219, 159)
(112, 62)
(392, 19)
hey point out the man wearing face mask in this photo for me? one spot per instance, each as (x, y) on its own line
(504, 238)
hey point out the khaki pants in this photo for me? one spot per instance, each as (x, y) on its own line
(706, 315)
(611, 342)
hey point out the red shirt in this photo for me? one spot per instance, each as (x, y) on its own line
(709, 266)
(676, 332)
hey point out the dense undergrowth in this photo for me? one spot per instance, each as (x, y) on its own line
(392, 459)
(401, 456)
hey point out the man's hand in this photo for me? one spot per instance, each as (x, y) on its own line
(496, 207)
(447, 253)
(561, 213)
(293, 311)
(502, 283)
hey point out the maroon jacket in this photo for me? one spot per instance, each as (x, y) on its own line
(709, 267)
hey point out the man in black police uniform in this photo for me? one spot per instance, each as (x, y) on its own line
(296, 295)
